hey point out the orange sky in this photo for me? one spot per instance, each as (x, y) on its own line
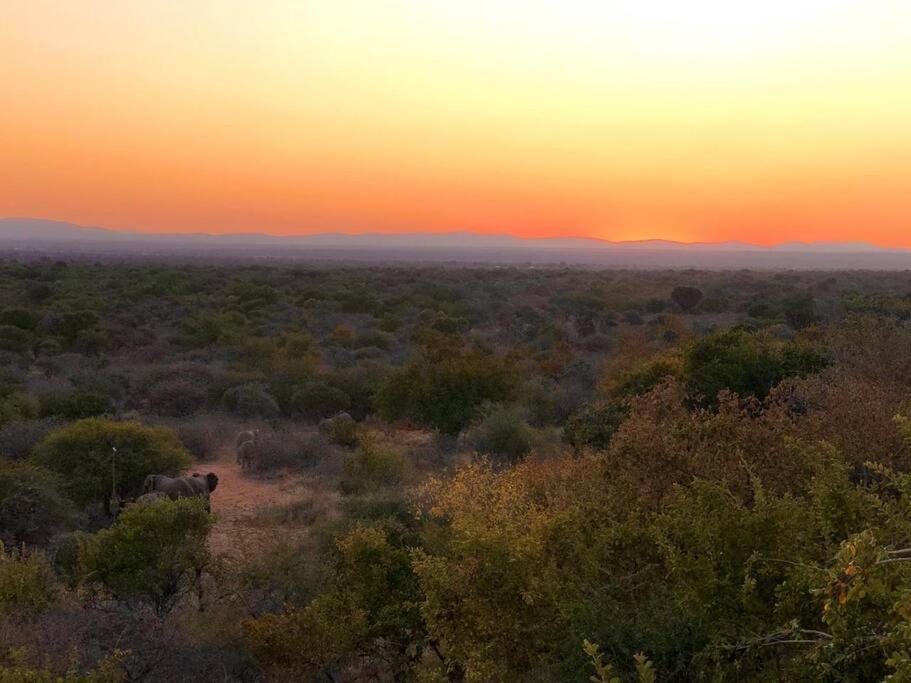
(694, 120)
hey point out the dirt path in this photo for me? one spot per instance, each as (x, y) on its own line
(239, 497)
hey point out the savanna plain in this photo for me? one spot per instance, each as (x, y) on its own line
(222, 472)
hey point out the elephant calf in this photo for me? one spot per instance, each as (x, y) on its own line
(248, 435)
(181, 487)
(246, 454)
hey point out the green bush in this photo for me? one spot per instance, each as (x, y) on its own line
(81, 453)
(445, 390)
(503, 432)
(154, 553)
(374, 466)
(317, 400)
(746, 364)
(32, 507)
(75, 404)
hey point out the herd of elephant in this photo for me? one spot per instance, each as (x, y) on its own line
(158, 486)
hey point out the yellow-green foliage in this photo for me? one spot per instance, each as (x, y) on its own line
(525, 563)
(371, 609)
(27, 582)
(374, 465)
(15, 668)
(298, 643)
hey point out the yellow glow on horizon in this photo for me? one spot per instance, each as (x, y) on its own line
(624, 119)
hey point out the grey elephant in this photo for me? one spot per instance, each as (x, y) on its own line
(149, 498)
(204, 484)
(181, 487)
(247, 435)
(246, 454)
(327, 424)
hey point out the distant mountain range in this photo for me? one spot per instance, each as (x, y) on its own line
(38, 231)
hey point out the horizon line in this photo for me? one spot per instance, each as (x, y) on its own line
(433, 233)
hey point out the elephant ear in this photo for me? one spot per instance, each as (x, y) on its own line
(212, 481)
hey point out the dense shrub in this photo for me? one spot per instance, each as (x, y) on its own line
(27, 582)
(374, 465)
(13, 338)
(642, 379)
(317, 400)
(745, 364)
(76, 404)
(371, 610)
(446, 392)
(686, 297)
(15, 667)
(203, 436)
(177, 397)
(503, 432)
(22, 318)
(292, 447)
(593, 426)
(17, 439)
(81, 452)
(17, 406)
(32, 507)
(154, 553)
(251, 400)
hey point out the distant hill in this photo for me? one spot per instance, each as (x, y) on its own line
(34, 236)
(35, 229)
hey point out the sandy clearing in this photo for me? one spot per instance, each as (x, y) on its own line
(238, 498)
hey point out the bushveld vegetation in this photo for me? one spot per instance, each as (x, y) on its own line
(513, 474)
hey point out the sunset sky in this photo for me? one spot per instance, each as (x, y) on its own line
(697, 120)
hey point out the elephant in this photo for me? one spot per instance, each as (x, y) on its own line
(181, 487)
(327, 424)
(204, 484)
(248, 435)
(149, 498)
(246, 453)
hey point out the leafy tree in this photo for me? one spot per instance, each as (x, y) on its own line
(82, 453)
(800, 311)
(154, 553)
(686, 297)
(445, 391)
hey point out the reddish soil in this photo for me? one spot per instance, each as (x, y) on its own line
(236, 501)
